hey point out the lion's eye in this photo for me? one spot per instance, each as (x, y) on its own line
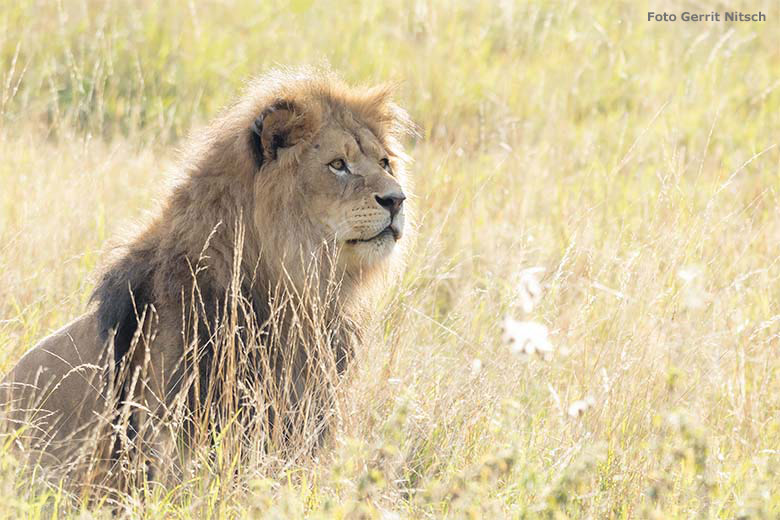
(385, 163)
(338, 166)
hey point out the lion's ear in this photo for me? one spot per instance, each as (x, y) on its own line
(278, 126)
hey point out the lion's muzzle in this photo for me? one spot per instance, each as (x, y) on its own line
(393, 203)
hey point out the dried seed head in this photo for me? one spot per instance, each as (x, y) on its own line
(529, 290)
(578, 408)
(527, 337)
(689, 273)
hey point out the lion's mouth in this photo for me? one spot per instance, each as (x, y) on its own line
(388, 231)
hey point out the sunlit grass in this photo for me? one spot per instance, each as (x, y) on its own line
(637, 163)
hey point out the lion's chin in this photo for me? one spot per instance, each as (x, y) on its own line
(369, 253)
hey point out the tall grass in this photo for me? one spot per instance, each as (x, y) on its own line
(636, 162)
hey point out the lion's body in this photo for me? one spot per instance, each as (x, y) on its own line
(255, 221)
(69, 363)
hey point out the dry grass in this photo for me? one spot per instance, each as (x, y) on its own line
(637, 163)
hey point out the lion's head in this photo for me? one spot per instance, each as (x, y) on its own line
(326, 169)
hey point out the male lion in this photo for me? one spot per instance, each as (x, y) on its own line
(249, 283)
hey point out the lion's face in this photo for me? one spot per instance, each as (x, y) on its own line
(352, 194)
(331, 172)
(335, 181)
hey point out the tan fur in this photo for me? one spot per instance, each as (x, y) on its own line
(229, 230)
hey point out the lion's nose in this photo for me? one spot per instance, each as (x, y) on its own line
(391, 201)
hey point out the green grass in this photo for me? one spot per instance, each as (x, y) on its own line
(637, 162)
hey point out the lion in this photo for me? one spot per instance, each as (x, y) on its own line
(289, 207)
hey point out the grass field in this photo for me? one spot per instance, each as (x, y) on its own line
(636, 163)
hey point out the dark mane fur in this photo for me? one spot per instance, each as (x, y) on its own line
(122, 294)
